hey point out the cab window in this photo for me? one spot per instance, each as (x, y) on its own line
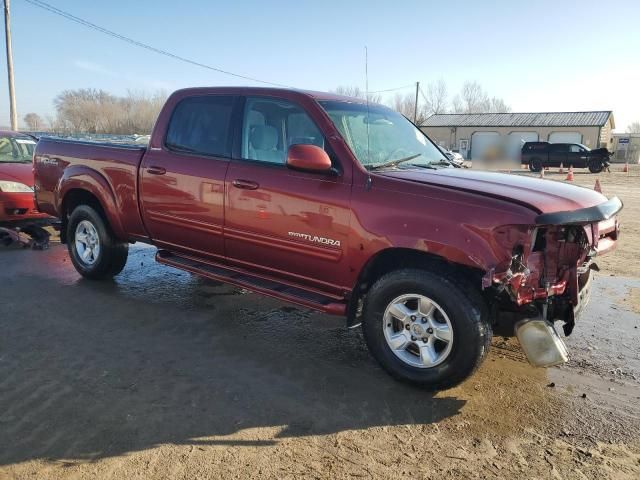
(202, 125)
(271, 126)
(559, 148)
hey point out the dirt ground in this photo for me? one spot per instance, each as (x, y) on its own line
(160, 374)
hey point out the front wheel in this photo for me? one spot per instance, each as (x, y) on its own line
(426, 328)
(595, 167)
(94, 250)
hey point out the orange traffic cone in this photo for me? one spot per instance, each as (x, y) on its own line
(570, 174)
(626, 168)
(561, 168)
(542, 173)
(597, 187)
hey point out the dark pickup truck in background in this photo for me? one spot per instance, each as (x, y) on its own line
(539, 155)
(340, 206)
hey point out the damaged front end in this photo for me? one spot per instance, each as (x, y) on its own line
(548, 275)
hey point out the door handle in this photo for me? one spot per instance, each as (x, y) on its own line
(153, 170)
(245, 184)
(156, 170)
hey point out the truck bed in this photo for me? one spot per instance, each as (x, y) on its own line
(94, 166)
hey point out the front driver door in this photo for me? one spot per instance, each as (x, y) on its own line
(577, 156)
(182, 182)
(278, 221)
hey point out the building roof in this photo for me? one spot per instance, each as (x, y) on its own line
(540, 119)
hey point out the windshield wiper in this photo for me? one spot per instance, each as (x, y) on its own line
(393, 163)
(442, 162)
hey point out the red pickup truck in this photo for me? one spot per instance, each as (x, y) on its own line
(344, 207)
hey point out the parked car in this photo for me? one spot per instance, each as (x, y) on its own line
(454, 157)
(17, 204)
(343, 207)
(539, 155)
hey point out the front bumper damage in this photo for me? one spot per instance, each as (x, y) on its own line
(548, 277)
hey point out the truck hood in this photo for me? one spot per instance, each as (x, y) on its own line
(542, 196)
(17, 172)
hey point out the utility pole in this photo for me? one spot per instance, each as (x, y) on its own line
(415, 110)
(12, 92)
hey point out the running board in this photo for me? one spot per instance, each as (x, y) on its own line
(264, 286)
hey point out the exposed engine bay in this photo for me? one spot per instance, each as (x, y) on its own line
(550, 268)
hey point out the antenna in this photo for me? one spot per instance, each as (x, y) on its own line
(366, 92)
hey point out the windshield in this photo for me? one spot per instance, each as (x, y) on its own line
(16, 149)
(380, 137)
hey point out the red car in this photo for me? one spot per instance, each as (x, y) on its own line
(17, 204)
(342, 206)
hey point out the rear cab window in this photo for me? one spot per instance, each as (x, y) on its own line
(202, 125)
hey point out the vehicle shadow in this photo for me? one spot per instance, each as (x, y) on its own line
(92, 370)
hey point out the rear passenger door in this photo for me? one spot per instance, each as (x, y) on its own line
(286, 223)
(182, 182)
(558, 154)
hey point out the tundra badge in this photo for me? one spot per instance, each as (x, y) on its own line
(316, 239)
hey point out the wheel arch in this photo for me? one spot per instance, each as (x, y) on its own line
(84, 186)
(397, 258)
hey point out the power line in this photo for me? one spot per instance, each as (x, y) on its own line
(389, 89)
(56, 11)
(86, 23)
(423, 95)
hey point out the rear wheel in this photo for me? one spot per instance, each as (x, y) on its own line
(425, 328)
(94, 250)
(535, 165)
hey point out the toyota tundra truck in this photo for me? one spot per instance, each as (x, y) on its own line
(344, 207)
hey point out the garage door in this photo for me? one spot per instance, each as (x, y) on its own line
(517, 140)
(565, 137)
(481, 142)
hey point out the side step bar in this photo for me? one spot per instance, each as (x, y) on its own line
(265, 286)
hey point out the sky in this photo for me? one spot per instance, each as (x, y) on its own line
(539, 56)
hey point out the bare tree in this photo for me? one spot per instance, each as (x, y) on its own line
(456, 105)
(474, 99)
(634, 127)
(406, 104)
(357, 92)
(498, 105)
(436, 97)
(33, 121)
(97, 111)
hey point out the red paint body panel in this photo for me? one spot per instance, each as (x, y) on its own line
(18, 206)
(314, 230)
(108, 172)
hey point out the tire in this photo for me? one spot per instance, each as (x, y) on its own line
(535, 165)
(463, 309)
(595, 166)
(110, 256)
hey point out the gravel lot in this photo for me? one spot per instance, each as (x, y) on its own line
(160, 374)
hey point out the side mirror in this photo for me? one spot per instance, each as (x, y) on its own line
(308, 158)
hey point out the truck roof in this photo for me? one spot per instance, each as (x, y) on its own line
(270, 91)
